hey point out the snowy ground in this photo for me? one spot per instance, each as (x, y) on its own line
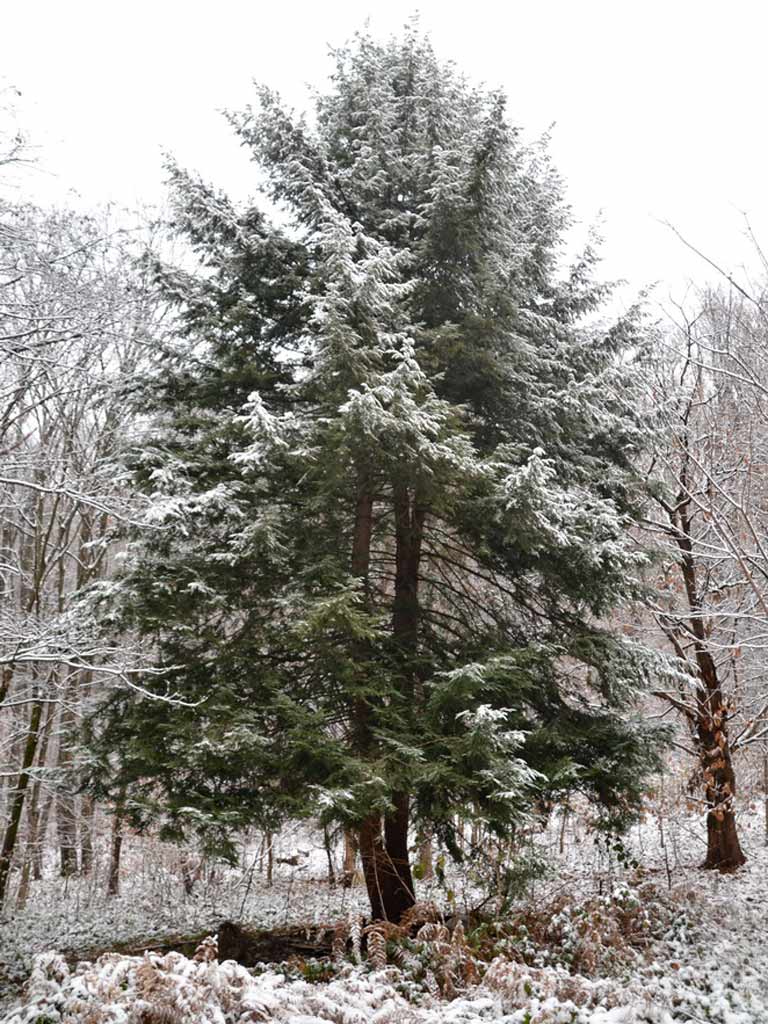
(76, 919)
(710, 964)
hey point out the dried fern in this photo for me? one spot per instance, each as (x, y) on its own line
(207, 951)
(356, 936)
(421, 912)
(339, 944)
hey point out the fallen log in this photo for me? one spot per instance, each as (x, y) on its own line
(248, 946)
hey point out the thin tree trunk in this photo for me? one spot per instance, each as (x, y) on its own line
(329, 856)
(475, 835)
(33, 851)
(23, 893)
(87, 803)
(350, 858)
(425, 860)
(360, 566)
(267, 856)
(409, 530)
(66, 816)
(42, 831)
(563, 823)
(115, 853)
(191, 870)
(87, 808)
(17, 802)
(5, 682)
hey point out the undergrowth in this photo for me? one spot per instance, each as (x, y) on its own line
(556, 961)
(596, 935)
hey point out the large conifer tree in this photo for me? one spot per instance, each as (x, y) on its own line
(392, 480)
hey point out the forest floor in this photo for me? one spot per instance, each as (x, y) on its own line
(593, 942)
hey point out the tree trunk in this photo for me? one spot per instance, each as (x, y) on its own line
(563, 824)
(17, 802)
(34, 844)
(66, 816)
(113, 877)
(191, 869)
(386, 866)
(360, 566)
(6, 678)
(42, 831)
(401, 892)
(23, 893)
(724, 851)
(328, 847)
(86, 836)
(267, 856)
(369, 839)
(723, 848)
(710, 721)
(409, 530)
(385, 856)
(350, 858)
(87, 803)
(372, 856)
(425, 860)
(410, 513)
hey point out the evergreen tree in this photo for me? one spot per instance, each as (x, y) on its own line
(391, 464)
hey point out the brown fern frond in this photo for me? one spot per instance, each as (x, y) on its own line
(388, 929)
(159, 1015)
(432, 932)
(355, 934)
(340, 937)
(420, 913)
(377, 948)
(207, 951)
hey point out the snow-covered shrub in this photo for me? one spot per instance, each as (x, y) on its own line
(173, 989)
(588, 935)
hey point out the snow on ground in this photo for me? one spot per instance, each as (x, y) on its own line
(75, 918)
(80, 923)
(709, 964)
(138, 990)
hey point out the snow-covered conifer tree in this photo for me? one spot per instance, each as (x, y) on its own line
(392, 470)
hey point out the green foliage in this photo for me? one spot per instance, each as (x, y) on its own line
(612, 843)
(391, 471)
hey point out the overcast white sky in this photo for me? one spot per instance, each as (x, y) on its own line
(659, 108)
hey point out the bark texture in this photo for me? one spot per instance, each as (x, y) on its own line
(709, 721)
(17, 802)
